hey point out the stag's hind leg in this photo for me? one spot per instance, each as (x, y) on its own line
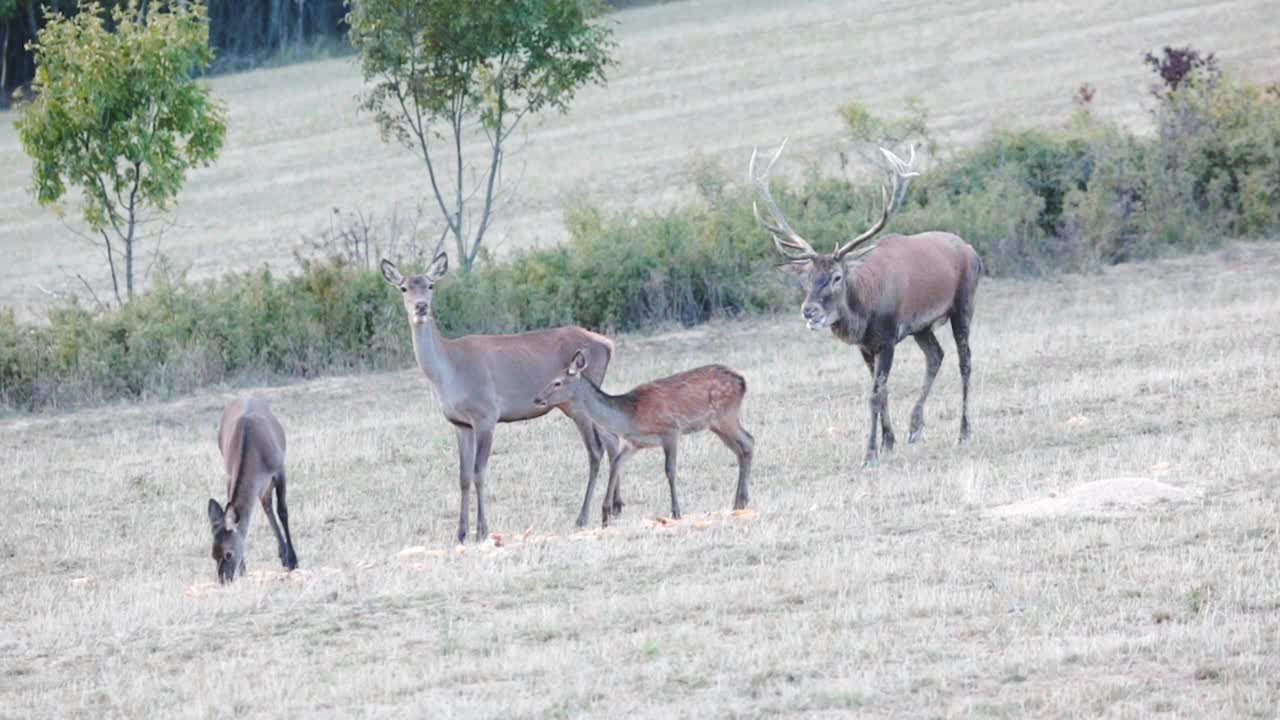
(886, 429)
(743, 446)
(928, 342)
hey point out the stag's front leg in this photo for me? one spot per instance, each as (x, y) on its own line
(466, 477)
(879, 405)
(886, 428)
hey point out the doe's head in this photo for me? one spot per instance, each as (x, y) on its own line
(228, 541)
(417, 291)
(561, 388)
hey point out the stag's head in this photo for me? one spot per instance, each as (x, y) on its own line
(825, 274)
(228, 541)
(561, 388)
(417, 291)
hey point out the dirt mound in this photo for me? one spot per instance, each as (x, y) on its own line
(1110, 497)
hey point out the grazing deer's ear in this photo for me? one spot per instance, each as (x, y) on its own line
(439, 266)
(578, 363)
(215, 515)
(232, 518)
(391, 273)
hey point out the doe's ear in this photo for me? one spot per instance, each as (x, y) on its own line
(391, 273)
(439, 266)
(578, 363)
(216, 515)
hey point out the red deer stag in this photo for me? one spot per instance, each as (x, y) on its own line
(873, 295)
(658, 413)
(483, 380)
(252, 445)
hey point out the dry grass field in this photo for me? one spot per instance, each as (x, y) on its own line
(1107, 546)
(707, 78)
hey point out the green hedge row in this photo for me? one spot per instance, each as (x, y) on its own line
(1080, 196)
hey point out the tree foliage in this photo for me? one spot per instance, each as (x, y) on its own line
(438, 70)
(118, 115)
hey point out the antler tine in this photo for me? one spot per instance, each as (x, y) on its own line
(892, 198)
(786, 240)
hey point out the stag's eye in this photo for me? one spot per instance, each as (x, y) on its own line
(431, 286)
(835, 279)
(404, 289)
(556, 383)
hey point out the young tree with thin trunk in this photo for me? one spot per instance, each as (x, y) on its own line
(437, 69)
(119, 116)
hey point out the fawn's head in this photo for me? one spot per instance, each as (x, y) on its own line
(560, 389)
(228, 541)
(417, 291)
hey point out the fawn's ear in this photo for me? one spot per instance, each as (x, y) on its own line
(578, 363)
(439, 266)
(216, 515)
(391, 273)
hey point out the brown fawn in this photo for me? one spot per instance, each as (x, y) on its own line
(252, 444)
(658, 413)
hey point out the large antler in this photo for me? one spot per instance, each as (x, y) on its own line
(898, 170)
(788, 241)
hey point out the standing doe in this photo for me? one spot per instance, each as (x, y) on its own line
(658, 413)
(483, 380)
(902, 285)
(252, 445)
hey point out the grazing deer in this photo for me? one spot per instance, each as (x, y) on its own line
(873, 298)
(483, 380)
(252, 445)
(658, 413)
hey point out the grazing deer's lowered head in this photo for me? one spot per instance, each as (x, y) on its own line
(872, 294)
(228, 542)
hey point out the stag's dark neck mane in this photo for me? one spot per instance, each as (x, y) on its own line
(862, 285)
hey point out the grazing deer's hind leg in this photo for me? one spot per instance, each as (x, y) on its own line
(669, 445)
(268, 509)
(484, 445)
(928, 342)
(879, 405)
(466, 474)
(742, 444)
(282, 509)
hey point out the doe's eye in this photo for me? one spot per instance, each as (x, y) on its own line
(431, 286)
(404, 289)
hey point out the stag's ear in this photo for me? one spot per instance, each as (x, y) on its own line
(578, 363)
(391, 273)
(216, 515)
(439, 266)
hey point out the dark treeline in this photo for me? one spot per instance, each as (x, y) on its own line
(243, 32)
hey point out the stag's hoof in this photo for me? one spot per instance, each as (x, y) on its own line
(871, 462)
(915, 437)
(462, 535)
(290, 561)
